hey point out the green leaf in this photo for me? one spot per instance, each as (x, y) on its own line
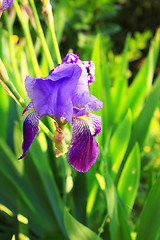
(119, 228)
(119, 143)
(149, 227)
(129, 179)
(40, 159)
(120, 84)
(76, 230)
(96, 87)
(142, 123)
(142, 82)
(108, 109)
(4, 111)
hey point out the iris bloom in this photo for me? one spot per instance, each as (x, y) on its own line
(4, 4)
(64, 95)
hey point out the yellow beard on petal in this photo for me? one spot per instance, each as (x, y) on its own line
(88, 121)
(30, 110)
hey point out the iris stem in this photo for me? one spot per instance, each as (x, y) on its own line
(12, 91)
(100, 230)
(46, 130)
(47, 9)
(54, 39)
(41, 35)
(9, 23)
(25, 26)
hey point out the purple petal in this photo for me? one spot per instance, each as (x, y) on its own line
(86, 100)
(81, 96)
(66, 87)
(96, 121)
(86, 65)
(30, 128)
(71, 58)
(52, 95)
(84, 149)
(5, 4)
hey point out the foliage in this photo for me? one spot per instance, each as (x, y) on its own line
(41, 196)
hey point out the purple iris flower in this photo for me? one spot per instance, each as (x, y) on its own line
(5, 4)
(64, 94)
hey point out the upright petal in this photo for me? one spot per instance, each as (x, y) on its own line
(30, 127)
(88, 66)
(52, 95)
(81, 95)
(84, 149)
(66, 87)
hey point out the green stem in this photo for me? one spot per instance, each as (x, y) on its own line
(24, 23)
(5, 79)
(101, 228)
(48, 11)
(55, 43)
(46, 130)
(17, 97)
(9, 23)
(41, 35)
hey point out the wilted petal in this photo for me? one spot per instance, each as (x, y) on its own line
(30, 127)
(5, 4)
(84, 149)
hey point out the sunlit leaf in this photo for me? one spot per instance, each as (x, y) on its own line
(76, 230)
(142, 82)
(119, 229)
(129, 179)
(142, 123)
(149, 227)
(118, 144)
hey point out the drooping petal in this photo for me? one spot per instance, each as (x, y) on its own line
(5, 4)
(96, 121)
(30, 127)
(52, 95)
(84, 149)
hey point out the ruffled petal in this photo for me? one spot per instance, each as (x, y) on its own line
(5, 4)
(81, 95)
(84, 149)
(30, 127)
(52, 95)
(86, 65)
